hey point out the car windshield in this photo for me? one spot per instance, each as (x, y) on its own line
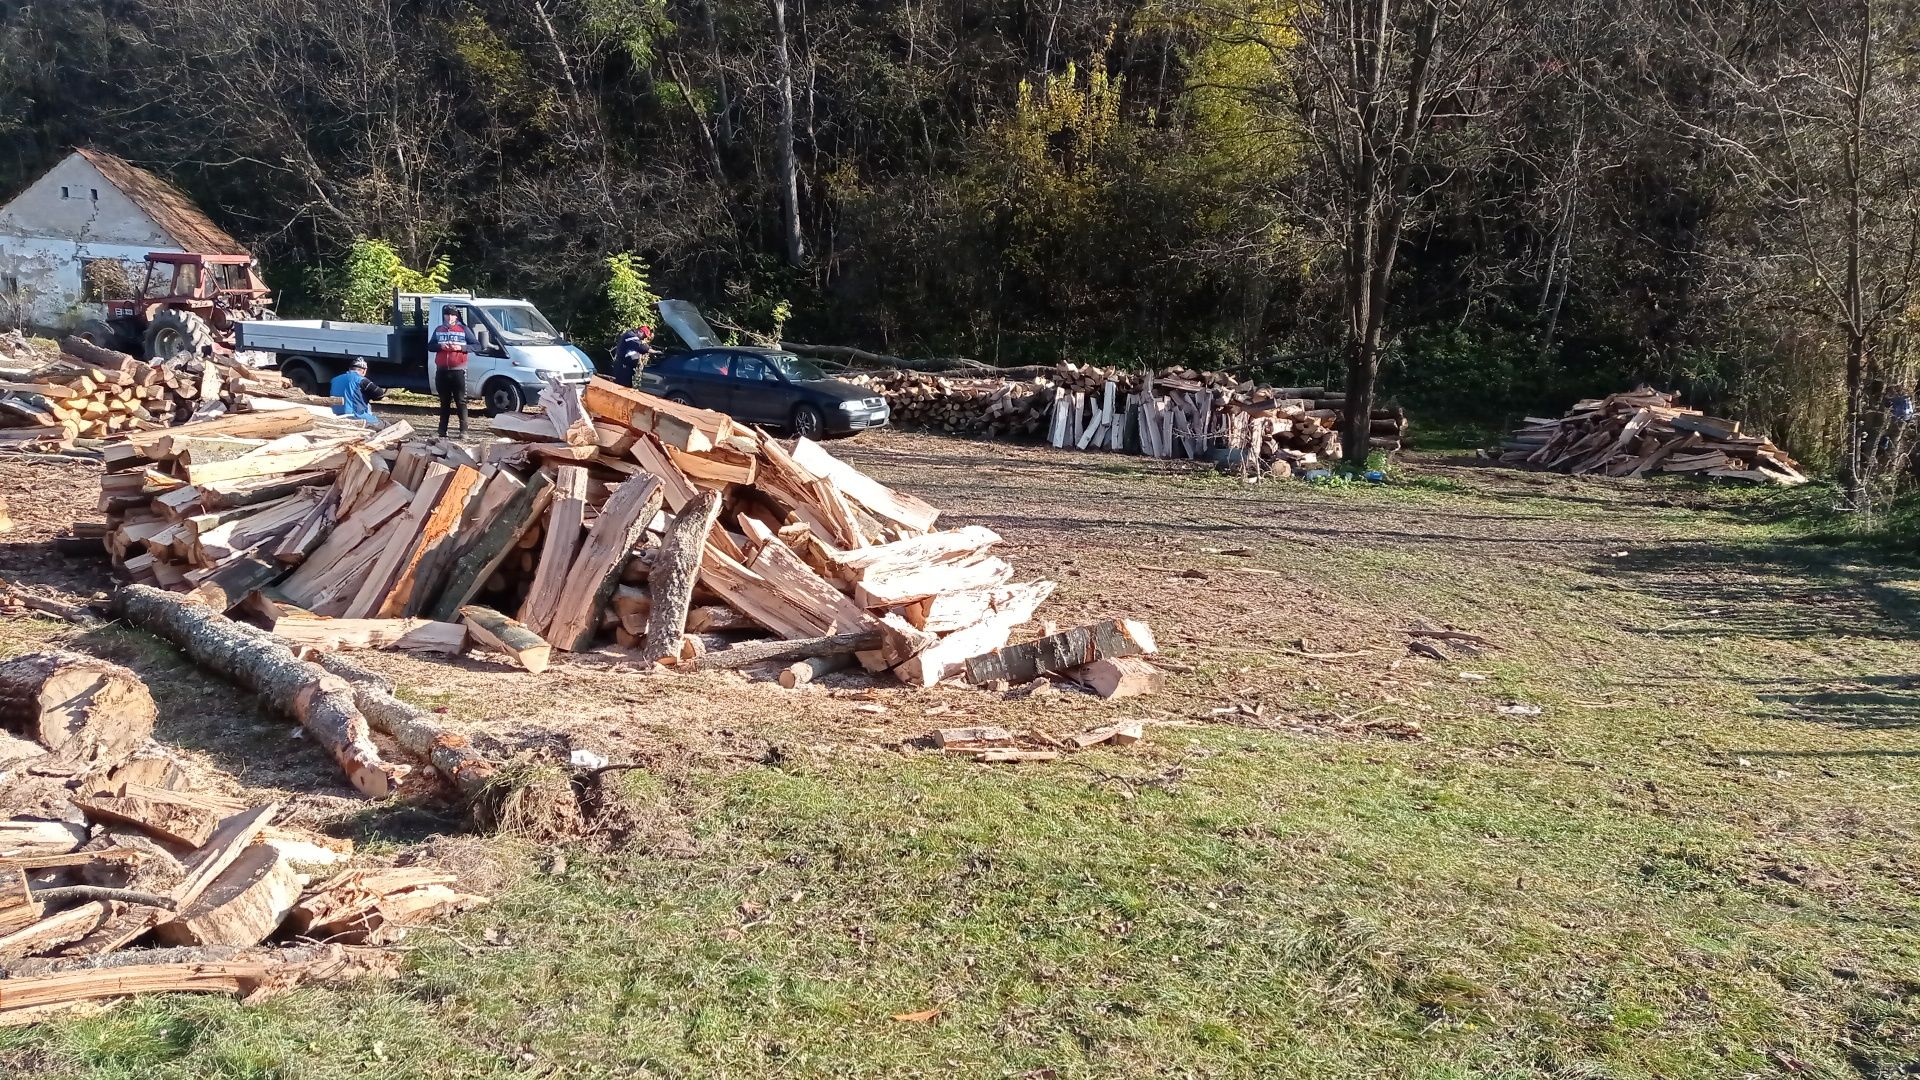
(521, 323)
(795, 368)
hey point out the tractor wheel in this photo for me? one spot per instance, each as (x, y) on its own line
(174, 334)
(101, 333)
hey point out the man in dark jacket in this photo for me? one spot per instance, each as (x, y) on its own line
(451, 341)
(636, 345)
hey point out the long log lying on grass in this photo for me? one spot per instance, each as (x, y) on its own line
(1073, 648)
(322, 703)
(415, 729)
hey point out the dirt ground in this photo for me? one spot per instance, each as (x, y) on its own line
(1231, 577)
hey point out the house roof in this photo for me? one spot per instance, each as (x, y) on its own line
(168, 206)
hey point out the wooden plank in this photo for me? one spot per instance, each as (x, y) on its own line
(777, 565)
(1073, 648)
(596, 569)
(716, 468)
(677, 490)
(899, 556)
(399, 534)
(564, 516)
(752, 596)
(407, 635)
(331, 454)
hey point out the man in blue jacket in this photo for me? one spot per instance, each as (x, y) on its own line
(636, 345)
(355, 390)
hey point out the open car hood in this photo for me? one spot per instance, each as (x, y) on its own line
(685, 320)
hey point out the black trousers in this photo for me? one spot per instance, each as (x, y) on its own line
(451, 382)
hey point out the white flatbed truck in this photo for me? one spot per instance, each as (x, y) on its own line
(518, 348)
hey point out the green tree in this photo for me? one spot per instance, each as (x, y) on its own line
(362, 284)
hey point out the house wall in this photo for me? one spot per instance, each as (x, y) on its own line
(47, 235)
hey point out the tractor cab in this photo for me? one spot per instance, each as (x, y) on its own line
(187, 305)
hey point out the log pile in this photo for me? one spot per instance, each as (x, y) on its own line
(1647, 431)
(613, 515)
(1178, 412)
(146, 882)
(88, 392)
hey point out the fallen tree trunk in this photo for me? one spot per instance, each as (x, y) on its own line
(322, 703)
(676, 568)
(528, 649)
(759, 652)
(415, 730)
(849, 354)
(83, 709)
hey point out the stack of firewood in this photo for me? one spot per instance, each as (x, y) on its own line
(122, 874)
(1179, 412)
(88, 392)
(1648, 431)
(615, 514)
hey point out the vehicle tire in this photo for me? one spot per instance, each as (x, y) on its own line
(679, 397)
(302, 374)
(503, 396)
(174, 334)
(807, 422)
(101, 333)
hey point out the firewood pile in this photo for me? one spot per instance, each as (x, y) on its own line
(88, 392)
(614, 515)
(121, 873)
(1178, 412)
(1648, 431)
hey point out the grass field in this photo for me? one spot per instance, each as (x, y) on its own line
(1700, 858)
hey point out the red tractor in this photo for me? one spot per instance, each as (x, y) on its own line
(187, 307)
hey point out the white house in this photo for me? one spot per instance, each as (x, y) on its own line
(57, 237)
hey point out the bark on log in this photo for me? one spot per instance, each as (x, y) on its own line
(83, 709)
(1073, 648)
(676, 568)
(416, 730)
(99, 892)
(801, 672)
(37, 987)
(321, 702)
(760, 652)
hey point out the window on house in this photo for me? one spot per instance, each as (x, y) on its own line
(104, 279)
(66, 193)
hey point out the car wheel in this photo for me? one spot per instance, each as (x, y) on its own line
(302, 375)
(807, 422)
(679, 397)
(504, 396)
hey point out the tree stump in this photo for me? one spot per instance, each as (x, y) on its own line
(83, 709)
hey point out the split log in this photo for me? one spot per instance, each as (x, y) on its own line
(712, 618)
(83, 709)
(36, 988)
(767, 651)
(322, 703)
(676, 567)
(558, 546)
(1121, 677)
(242, 906)
(1078, 647)
(496, 631)
(596, 569)
(375, 905)
(407, 635)
(31, 837)
(949, 656)
(480, 556)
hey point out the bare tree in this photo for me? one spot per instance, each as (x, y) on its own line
(1377, 80)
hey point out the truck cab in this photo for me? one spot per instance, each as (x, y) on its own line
(515, 348)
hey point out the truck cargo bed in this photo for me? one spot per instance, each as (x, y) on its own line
(317, 337)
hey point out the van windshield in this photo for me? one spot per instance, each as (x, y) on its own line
(521, 324)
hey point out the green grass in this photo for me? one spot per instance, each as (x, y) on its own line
(1697, 861)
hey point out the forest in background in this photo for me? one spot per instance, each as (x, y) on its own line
(1498, 207)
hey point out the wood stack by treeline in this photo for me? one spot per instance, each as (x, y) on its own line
(142, 881)
(614, 514)
(91, 393)
(1178, 412)
(1646, 431)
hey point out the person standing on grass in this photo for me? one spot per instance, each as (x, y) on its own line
(355, 391)
(636, 345)
(451, 342)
